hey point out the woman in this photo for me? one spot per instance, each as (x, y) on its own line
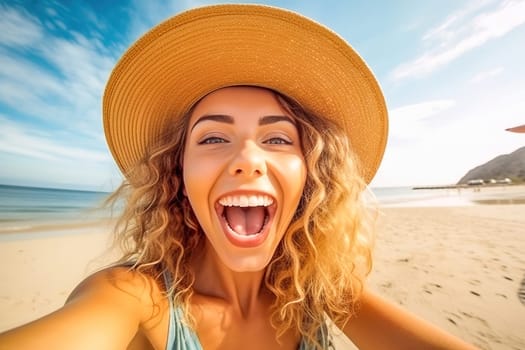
(247, 135)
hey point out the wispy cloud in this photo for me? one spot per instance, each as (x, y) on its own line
(412, 121)
(63, 80)
(454, 24)
(20, 139)
(52, 75)
(18, 28)
(151, 13)
(420, 111)
(461, 33)
(486, 75)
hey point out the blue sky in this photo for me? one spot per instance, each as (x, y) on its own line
(452, 74)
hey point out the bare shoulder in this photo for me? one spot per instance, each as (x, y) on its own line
(137, 294)
(120, 285)
(107, 310)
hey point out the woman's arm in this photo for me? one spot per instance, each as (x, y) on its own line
(103, 312)
(380, 324)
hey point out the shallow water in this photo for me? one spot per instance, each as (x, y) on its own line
(23, 207)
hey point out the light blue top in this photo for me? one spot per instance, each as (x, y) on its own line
(182, 337)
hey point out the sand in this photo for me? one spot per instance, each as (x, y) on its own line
(458, 267)
(40, 269)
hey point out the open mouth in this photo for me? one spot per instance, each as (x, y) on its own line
(245, 218)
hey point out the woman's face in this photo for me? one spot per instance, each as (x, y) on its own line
(244, 173)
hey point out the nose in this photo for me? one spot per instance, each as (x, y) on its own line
(248, 161)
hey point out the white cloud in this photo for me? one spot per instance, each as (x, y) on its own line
(152, 13)
(486, 75)
(18, 28)
(413, 121)
(19, 139)
(454, 23)
(31, 78)
(436, 142)
(420, 111)
(67, 88)
(459, 35)
(52, 78)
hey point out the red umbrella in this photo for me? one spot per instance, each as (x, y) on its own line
(520, 128)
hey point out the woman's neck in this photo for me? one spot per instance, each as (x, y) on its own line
(243, 291)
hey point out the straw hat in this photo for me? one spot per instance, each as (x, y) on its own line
(198, 51)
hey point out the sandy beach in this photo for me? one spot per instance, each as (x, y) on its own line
(458, 267)
(41, 268)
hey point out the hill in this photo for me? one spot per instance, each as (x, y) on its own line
(510, 166)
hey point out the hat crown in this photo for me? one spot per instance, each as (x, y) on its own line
(198, 51)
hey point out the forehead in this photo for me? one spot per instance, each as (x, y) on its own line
(239, 98)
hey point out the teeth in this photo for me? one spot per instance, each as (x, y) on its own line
(246, 201)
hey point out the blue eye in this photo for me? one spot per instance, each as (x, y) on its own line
(277, 141)
(212, 140)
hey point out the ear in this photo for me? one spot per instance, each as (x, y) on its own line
(184, 191)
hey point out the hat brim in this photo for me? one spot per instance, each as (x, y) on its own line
(184, 58)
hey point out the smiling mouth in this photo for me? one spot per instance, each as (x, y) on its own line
(246, 215)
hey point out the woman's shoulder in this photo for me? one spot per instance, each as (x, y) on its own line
(135, 295)
(112, 309)
(139, 294)
(118, 282)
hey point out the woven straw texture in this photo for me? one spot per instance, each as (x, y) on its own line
(198, 51)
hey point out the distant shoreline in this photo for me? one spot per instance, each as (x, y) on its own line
(460, 186)
(450, 195)
(22, 230)
(51, 188)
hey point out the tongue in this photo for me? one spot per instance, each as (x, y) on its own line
(245, 220)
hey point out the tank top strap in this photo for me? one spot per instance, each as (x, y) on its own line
(323, 337)
(180, 335)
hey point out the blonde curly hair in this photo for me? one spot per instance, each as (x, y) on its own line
(319, 267)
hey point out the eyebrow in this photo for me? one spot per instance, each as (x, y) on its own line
(270, 119)
(224, 118)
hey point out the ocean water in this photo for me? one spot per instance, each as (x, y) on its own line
(23, 208)
(408, 197)
(48, 205)
(450, 197)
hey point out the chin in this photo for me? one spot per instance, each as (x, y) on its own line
(247, 263)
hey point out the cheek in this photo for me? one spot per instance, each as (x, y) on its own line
(196, 188)
(194, 176)
(294, 171)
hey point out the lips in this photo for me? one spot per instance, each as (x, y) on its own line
(246, 218)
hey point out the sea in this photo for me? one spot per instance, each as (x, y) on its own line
(407, 196)
(23, 208)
